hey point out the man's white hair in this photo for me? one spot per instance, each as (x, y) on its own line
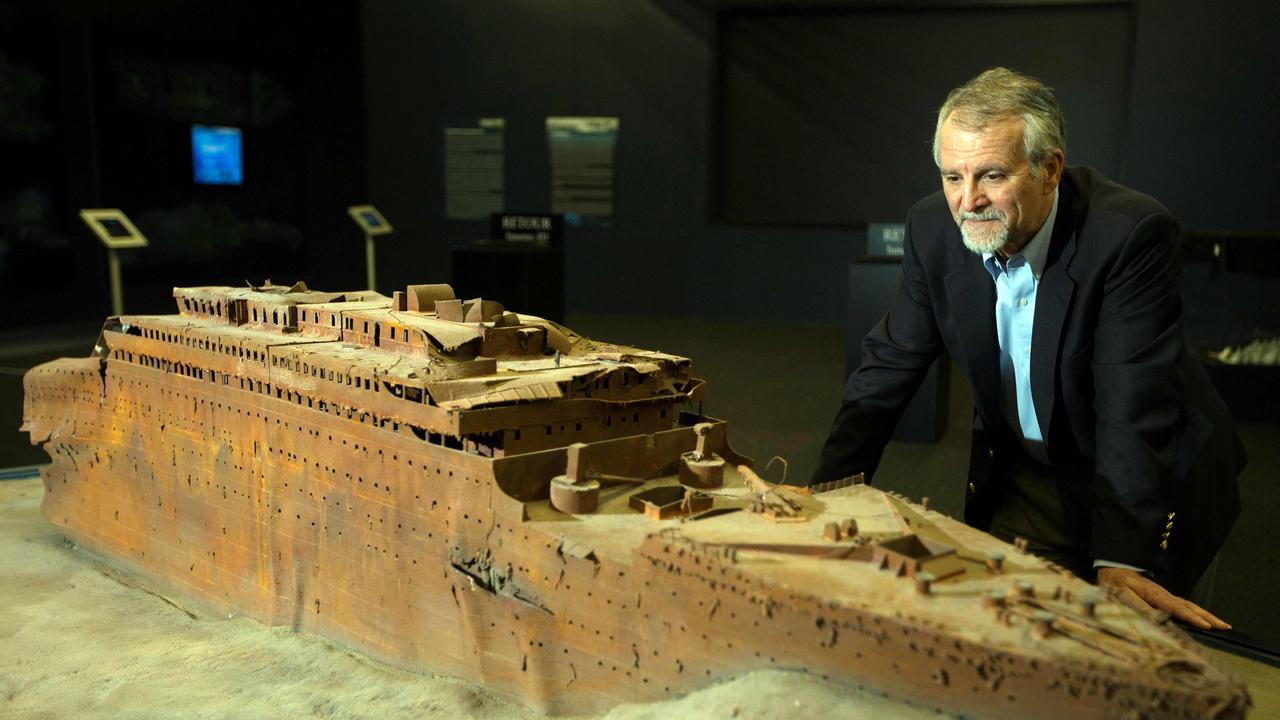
(999, 94)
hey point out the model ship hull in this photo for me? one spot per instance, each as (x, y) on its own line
(434, 559)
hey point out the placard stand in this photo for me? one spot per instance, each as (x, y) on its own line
(116, 233)
(373, 224)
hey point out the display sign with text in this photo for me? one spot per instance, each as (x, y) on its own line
(474, 164)
(581, 151)
(542, 230)
(885, 239)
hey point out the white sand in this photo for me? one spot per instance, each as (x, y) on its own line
(80, 639)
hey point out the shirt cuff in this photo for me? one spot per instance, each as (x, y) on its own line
(1108, 563)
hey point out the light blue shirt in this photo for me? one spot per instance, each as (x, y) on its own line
(1016, 282)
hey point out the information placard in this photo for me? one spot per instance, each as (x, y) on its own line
(541, 230)
(885, 239)
(474, 163)
(113, 228)
(582, 151)
(370, 220)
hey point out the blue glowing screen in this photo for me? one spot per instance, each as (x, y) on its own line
(215, 155)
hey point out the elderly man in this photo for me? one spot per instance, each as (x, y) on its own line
(1097, 435)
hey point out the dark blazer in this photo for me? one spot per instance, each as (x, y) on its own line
(1130, 420)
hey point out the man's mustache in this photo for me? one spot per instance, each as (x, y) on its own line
(991, 214)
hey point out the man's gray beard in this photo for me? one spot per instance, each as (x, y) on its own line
(982, 243)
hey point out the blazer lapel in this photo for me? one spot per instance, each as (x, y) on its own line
(1053, 301)
(972, 296)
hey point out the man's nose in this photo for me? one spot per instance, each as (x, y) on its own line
(973, 199)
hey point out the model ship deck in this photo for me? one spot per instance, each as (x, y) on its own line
(452, 487)
(795, 557)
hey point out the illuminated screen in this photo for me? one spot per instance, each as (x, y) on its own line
(371, 220)
(215, 155)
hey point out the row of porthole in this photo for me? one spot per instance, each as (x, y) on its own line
(257, 386)
(376, 548)
(340, 410)
(287, 362)
(272, 449)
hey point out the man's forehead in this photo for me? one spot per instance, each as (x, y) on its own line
(961, 141)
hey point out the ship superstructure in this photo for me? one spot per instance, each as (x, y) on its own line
(452, 487)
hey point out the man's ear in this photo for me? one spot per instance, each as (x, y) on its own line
(1053, 166)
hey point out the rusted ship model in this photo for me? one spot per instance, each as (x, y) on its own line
(454, 488)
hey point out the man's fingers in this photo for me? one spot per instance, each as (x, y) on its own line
(1143, 594)
(1211, 621)
(1185, 610)
(1154, 593)
(1218, 623)
(1127, 596)
(1182, 609)
(1190, 614)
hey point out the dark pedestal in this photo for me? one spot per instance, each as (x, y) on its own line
(1251, 392)
(524, 278)
(872, 284)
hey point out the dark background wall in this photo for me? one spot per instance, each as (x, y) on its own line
(743, 125)
(817, 102)
(97, 101)
(1199, 116)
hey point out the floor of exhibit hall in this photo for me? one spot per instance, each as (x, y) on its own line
(778, 386)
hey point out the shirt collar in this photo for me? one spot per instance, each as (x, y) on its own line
(1035, 252)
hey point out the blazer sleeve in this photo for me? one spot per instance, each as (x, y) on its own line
(896, 355)
(1139, 397)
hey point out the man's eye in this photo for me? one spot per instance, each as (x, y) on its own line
(994, 177)
(951, 178)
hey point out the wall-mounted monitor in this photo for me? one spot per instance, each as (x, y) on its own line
(215, 155)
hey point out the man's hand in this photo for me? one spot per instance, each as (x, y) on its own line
(1143, 594)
